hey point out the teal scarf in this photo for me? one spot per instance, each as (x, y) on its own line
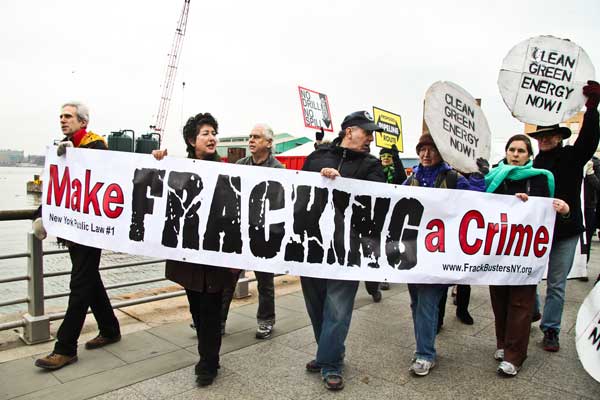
(515, 173)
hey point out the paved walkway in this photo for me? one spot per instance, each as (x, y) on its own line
(158, 363)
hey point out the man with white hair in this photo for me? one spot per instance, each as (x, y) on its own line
(87, 289)
(260, 143)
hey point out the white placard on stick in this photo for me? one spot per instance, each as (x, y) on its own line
(541, 80)
(587, 333)
(457, 125)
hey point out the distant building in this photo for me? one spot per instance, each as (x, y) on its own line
(283, 142)
(11, 157)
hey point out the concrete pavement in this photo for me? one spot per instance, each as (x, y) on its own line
(157, 363)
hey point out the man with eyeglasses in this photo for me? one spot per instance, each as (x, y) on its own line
(260, 144)
(329, 302)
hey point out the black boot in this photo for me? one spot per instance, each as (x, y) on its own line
(463, 295)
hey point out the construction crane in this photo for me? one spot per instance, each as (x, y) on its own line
(171, 71)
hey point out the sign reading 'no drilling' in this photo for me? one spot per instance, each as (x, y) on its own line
(458, 126)
(315, 109)
(541, 80)
(587, 333)
(392, 129)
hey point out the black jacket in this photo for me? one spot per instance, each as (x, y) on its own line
(535, 186)
(566, 164)
(349, 163)
(199, 277)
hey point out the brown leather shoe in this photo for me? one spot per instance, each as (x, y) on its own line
(101, 341)
(55, 361)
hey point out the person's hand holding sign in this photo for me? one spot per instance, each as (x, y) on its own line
(592, 92)
(561, 207)
(159, 154)
(330, 173)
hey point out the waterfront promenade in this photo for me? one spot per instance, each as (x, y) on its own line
(155, 358)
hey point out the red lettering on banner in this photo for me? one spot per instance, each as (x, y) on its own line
(520, 236)
(113, 195)
(434, 241)
(464, 228)
(62, 189)
(59, 190)
(542, 237)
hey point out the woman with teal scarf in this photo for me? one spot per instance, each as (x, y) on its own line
(513, 305)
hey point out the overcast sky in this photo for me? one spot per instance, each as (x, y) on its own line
(243, 61)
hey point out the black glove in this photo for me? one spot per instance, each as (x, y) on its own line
(483, 166)
(592, 92)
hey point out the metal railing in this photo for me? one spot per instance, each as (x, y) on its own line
(36, 323)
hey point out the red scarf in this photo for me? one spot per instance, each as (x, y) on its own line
(77, 136)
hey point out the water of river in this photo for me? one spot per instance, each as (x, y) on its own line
(13, 239)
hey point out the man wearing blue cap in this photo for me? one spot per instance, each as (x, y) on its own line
(329, 302)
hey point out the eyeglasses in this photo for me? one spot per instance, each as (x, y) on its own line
(386, 157)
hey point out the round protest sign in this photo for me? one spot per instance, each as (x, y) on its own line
(541, 80)
(587, 333)
(457, 124)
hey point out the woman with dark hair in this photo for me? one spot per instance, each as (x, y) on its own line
(513, 305)
(203, 284)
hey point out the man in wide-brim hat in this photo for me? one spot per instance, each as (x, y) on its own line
(566, 164)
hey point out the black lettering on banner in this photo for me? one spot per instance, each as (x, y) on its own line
(549, 75)
(405, 212)
(259, 245)
(306, 224)
(365, 229)
(182, 202)
(337, 249)
(141, 205)
(224, 221)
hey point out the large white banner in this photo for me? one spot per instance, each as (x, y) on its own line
(293, 222)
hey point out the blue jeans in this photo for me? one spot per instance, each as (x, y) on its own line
(424, 304)
(559, 266)
(329, 303)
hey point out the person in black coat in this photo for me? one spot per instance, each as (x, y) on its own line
(566, 164)
(330, 302)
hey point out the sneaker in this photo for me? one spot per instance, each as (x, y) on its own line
(421, 367)
(377, 296)
(264, 331)
(508, 369)
(101, 341)
(499, 354)
(334, 381)
(550, 341)
(55, 361)
(312, 366)
(384, 286)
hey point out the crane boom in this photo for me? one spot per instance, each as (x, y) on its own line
(173, 61)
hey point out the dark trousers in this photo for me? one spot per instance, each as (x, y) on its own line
(206, 313)
(372, 287)
(513, 309)
(590, 229)
(266, 297)
(227, 296)
(87, 291)
(463, 297)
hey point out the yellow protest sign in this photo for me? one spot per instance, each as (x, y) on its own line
(392, 129)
